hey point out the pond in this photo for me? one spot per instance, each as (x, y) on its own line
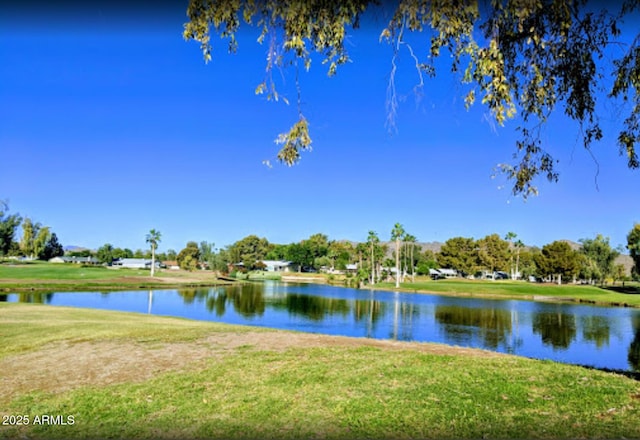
(602, 337)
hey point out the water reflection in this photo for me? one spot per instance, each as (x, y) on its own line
(31, 297)
(247, 300)
(581, 334)
(493, 326)
(634, 349)
(596, 329)
(557, 329)
(368, 312)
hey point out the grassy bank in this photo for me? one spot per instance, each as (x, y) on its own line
(523, 290)
(138, 376)
(42, 276)
(47, 276)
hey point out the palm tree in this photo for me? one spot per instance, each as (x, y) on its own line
(396, 235)
(519, 245)
(509, 237)
(153, 238)
(373, 241)
(411, 240)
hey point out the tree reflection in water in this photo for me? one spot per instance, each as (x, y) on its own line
(557, 329)
(493, 326)
(634, 348)
(602, 337)
(35, 297)
(596, 329)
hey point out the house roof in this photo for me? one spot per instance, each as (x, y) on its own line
(134, 261)
(80, 259)
(276, 262)
(447, 271)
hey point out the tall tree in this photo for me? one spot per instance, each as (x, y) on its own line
(249, 251)
(53, 248)
(122, 253)
(29, 232)
(524, 59)
(633, 244)
(519, 245)
(599, 257)
(493, 252)
(340, 253)
(396, 235)
(277, 252)
(317, 247)
(105, 253)
(189, 256)
(373, 240)
(8, 226)
(40, 241)
(410, 245)
(171, 254)
(153, 238)
(509, 237)
(558, 259)
(460, 253)
(207, 253)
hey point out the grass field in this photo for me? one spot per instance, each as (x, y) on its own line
(45, 276)
(525, 290)
(123, 375)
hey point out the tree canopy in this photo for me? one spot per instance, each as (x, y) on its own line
(633, 244)
(520, 59)
(8, 226)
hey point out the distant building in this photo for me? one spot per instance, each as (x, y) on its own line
(171, 265)
(437, 274)
(279, 266)
(76, 260)
(135, 263)
(351, 268)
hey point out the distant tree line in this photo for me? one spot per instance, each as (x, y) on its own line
(400, 259)
(37, 242)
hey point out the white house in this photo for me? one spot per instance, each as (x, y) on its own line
(77, 260)
(448, 273)
(135, 263)
(351, 268)
(442, 273)
(277, 266)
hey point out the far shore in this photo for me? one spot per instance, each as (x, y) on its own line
(42, 277)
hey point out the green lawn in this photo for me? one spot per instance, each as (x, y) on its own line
(521, 289)
(329, 391)
(45, 276)
(52, 271)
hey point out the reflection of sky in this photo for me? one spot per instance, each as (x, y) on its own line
(601, 335)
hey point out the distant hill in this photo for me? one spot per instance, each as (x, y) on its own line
(72, 248)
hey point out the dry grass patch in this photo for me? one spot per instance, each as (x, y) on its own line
(62, 366)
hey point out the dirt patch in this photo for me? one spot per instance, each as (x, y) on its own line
(65, 366)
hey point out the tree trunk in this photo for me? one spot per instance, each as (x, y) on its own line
(413, 267)
(373, 266)
(397, 263)
(153, 260)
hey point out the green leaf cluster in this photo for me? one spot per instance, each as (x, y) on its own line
(521, 58)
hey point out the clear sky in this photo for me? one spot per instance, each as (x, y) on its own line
(111, 125)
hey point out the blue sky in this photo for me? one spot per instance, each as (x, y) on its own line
(111, 125)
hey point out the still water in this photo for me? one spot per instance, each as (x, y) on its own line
(603, 337)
